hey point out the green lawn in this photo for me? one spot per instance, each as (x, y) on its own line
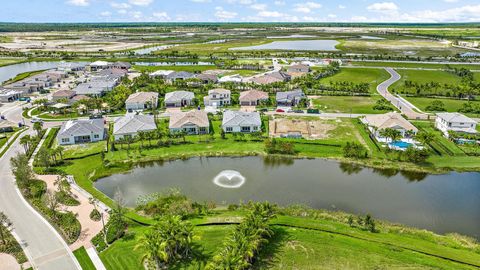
(83, 150)
(451, 105)
(411, 65)
(324, 242)
(359, 75)
(123, 254)
(207, 49)
(84, 259)
(347, 104)
(193, 68)
(425, 76)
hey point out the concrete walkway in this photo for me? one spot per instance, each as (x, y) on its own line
(92, 253)
(8, 262)
(39, 146)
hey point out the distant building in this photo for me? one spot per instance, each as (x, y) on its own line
(289, 98)
(298, 68)
(455, 122)
(232, 78)
(141, 101)
(207, 78)
(81, 131)
(218, 97)
(63, 94)
(252, 97)
(179, 99)
(129, 125)
(179, 76)
(237, 121)
(192, 122)
(7, 95)
(162, 73)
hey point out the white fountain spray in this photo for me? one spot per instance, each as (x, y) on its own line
(229, 179)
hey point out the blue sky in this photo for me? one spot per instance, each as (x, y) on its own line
(240, 11)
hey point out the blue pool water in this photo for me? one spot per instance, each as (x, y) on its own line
(401, 144)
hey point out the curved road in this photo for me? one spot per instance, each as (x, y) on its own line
(43, 246)
(405, 107)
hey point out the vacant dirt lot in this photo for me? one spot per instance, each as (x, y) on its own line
(309, 129)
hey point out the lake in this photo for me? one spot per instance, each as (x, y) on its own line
(296, 45)
(10, 71)
(149, 50)
(441, 203)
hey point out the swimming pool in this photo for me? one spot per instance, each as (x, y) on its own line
(400, 145)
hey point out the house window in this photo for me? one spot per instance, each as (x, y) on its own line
(65, 140)
(96, 136)
(255, 128)
(203, 129)
(229, 129)
(245, 129)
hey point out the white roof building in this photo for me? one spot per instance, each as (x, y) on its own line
(129, 125)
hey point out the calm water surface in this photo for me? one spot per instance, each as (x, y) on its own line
(299, 45)
(442, 203)
(8, 72)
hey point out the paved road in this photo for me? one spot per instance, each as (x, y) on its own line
(405, 107)
(42, 244)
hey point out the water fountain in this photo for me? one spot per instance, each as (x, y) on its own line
(229, 179)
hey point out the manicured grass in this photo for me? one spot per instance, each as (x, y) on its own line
(359, 75)
(324, 242)
(347, 104)
(84, 259)
(441, 145)
(83, 150)
(123, 255)
(206, 49)
(412, 65)
(451, 105)
(193, 68)
(425, 76)
(24, 75)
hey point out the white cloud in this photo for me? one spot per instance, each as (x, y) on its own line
(119, 5)
(223, 14)
(106, 13)
(342, 7)
(307, 7)
(201, 1)
(332, 16)
(122, 11)
(450, 1)
(140, 2)
(385, 7)
(280, 3)
(161, 16)
(241, 2)
(137, 15)
(79, 3)
(259, 6)
(270, 14)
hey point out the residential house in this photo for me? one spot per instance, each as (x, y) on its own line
(78, 98)
(179, 76)
(252, 97)
(455, 122)
(141, 101)
(179, 99)
(393, 120)
(120, 65)
(162, 73)
(289, 98)
(129, 125)
(9, 95)
(272, 77)
(96, 87)
(81, 131)
(97, 65)
(298, 68)
(207, 78)
(231, 78)
(218, 97)
(63, 94)
(192, 122)
(238, 121)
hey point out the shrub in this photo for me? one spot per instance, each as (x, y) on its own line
(275, 146)
(383, 105)
(95, 215)
(436, 106)
(415, 155)
(65, 198)
(354, 150)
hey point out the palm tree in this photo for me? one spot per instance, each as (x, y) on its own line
(391, 134)
(141, 137)
(425, 137)
(38, 126)
(60, 149)
(25, 142)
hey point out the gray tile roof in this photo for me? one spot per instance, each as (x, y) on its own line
(177, 96)
(238, 118)
(81, 126)
(456, 118)
(133, 124)
(289, 95)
